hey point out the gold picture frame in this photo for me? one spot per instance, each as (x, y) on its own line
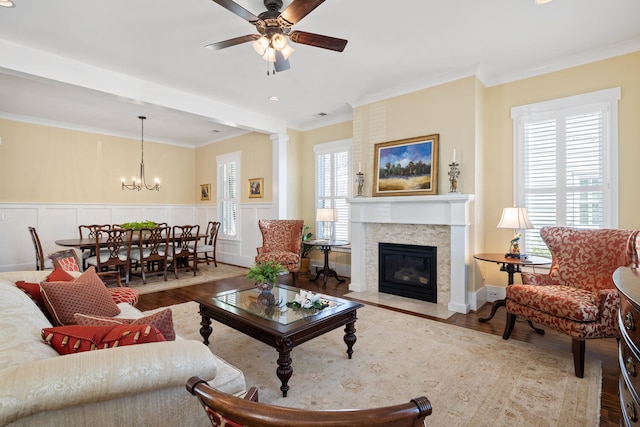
(256, 187)
(406, 167)
(205, 191)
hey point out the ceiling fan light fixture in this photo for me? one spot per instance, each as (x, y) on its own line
(279, 41)
(261, 45)
(269, 55)
(287, 51)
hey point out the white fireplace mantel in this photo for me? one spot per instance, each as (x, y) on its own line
(452, 210)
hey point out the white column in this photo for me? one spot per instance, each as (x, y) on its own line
(279, 141)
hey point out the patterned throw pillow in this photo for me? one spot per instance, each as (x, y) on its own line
(86, 294)
(76, 339)
(163, 320)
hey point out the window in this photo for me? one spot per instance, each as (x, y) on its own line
(333, 186)
(228, 194)
(566, 163)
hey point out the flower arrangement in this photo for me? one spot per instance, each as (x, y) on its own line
(309, 300)
(138, 225)
(265, 274)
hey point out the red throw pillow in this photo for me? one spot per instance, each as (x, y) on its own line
(33, 290)
(76, 339)
(87, 294)
(163, 320)
(59, 275)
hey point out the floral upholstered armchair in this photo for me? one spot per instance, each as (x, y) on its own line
(281, 240)
(578, 296)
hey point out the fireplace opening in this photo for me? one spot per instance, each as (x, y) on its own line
(408, 270)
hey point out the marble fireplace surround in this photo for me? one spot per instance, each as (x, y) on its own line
(441, 221)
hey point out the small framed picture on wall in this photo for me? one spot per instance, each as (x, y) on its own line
(256, 187)
(205, 191)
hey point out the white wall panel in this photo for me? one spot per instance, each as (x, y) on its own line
(60, 221)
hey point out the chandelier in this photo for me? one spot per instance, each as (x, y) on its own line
(141, 182)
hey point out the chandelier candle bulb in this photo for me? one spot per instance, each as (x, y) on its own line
(454, 155)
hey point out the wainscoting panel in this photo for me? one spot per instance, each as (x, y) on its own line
(60, 221)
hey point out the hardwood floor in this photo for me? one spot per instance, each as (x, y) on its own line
(603, 349)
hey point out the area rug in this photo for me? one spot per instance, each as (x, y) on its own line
(206, 273)
(470, 377)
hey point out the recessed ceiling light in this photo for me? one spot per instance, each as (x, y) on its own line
(319, 115)
(214, 131)
(274, 98)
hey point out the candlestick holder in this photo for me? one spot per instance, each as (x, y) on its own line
(360, 182)
(454, 174)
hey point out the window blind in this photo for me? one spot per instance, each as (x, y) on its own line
(228, 196)
(333, 187)
(564, 164)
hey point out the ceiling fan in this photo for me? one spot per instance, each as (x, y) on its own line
(274, 28)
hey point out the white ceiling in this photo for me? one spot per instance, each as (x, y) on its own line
(98, 65)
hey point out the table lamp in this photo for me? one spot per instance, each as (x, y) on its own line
(517, 219)
(327, 215)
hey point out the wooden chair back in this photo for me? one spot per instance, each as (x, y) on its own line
(115, 258)
(184, 246)
(38, 248)
(154, 251)
(225, 409)
(66, 259)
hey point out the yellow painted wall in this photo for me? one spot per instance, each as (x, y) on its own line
(256, 154)
(497, 156)
(48, 164)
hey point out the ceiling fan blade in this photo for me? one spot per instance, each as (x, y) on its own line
(298, 9)
(281, 63)
(318, 40)
(232, 42)
(238, 10)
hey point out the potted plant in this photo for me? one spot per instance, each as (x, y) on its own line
(265, 274)
(305, 250)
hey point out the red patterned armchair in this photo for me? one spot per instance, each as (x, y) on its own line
(281, 240)
(578, 296)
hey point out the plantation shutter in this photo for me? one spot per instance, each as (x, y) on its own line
(564, 174)
(228, 195)
(333, 187)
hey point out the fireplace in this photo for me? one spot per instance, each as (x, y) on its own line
(441, 221)
(408, 270)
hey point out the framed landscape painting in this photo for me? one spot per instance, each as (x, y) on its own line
(407, 167)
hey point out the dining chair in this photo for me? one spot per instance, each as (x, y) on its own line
(66, 259)
(89, 232)
(38, 248)
(209, 245)
(115, 257)
(152, 251)
(228, 410)
(183, 248)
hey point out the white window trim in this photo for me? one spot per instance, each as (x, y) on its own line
(541, 110)
(222, 159)
(329, 148)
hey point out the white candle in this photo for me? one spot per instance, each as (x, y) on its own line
(454, 155)
(359, 166)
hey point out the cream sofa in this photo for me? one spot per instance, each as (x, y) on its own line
(126, 386)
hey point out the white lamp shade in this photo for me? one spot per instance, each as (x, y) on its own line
(327, 214)
(516, 218)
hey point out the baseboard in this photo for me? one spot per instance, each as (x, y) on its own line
(486, 294)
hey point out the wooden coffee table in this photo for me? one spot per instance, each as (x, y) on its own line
(282, 330)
